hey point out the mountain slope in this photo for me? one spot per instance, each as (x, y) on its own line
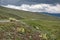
(27, 15)
(29, 26)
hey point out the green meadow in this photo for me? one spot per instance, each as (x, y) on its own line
(24, 25)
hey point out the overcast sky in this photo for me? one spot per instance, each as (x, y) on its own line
(50, 6)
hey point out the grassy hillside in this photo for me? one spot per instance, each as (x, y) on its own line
(30, 25)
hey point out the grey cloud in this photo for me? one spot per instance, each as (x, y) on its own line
(19, 2)
(37, 8)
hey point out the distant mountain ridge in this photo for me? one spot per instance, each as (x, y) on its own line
(52, 14)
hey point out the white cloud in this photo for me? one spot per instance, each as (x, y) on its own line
(37, 8)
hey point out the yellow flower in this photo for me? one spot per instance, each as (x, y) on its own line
(20, 29)
(40, 35)
(37, 27)
(45, 36)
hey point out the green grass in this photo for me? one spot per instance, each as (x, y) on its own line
(38, 24)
